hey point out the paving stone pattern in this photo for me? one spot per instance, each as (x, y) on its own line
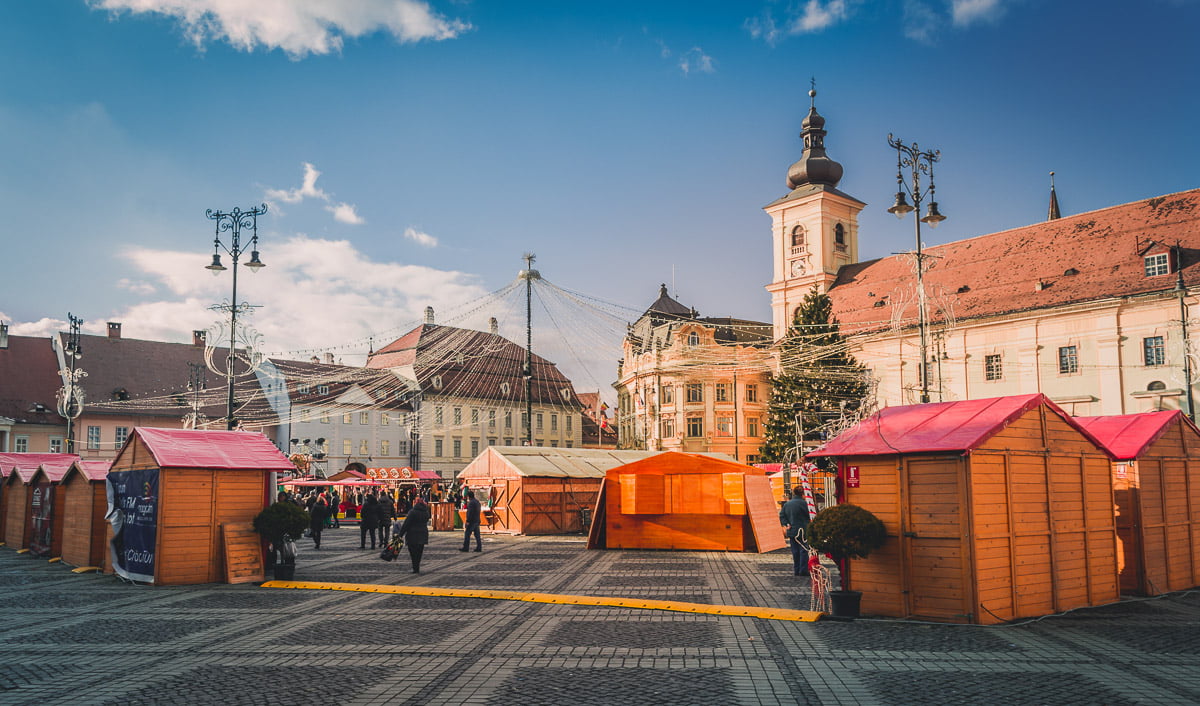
(93, 639)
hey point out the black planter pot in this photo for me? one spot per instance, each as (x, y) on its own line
(845, 603)
(285, 572)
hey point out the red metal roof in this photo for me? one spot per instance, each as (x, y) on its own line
(1084, 257)
(201, 448)
(1127, 436)
(27, 464)
(93, 469)
(936, 427)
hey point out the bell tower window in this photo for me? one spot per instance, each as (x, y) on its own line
(839, 234)
(798, 240)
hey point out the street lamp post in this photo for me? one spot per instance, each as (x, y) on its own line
(70, 397)
(918, 161)
(233, 222)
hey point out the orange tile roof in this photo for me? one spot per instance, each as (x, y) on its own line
(1080, 258)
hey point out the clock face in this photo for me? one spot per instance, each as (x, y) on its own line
(797, 268)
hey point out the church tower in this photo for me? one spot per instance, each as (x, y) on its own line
(814, 229)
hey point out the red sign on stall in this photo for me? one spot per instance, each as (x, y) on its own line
(851, 476)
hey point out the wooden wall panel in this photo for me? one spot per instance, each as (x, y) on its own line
(16, 530)
(676, 531)
(643, 494)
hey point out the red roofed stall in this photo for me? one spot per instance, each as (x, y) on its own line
(84, 505)
(19, 470)
(995, 509)
(45, 514)
(175, 489)
(1156, 484)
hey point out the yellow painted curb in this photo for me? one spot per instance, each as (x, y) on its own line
(55, 560)
(85, 569)
(805, 616)
(23, 551)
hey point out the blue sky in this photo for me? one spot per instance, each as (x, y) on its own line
(626, 143)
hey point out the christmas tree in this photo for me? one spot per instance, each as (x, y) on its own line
(819, 388)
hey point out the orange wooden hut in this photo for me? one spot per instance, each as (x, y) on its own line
(677, 500)
(995, 509)
(20, 468)
(46, 515)
(84, 506)
(174, 489)
(1156, 484)
(540, 490)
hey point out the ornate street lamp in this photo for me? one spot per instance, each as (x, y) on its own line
(918, 161)
(233, 223)
(70, 395)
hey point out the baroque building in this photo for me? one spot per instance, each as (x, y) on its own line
(687, 383)
(1093, 309)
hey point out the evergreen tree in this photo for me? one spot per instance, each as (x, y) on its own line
(818, 381)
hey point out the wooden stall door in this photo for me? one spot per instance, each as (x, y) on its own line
(1127, 498)
(543, 511)
(186, 541)
(932, 540)
(1153, 529)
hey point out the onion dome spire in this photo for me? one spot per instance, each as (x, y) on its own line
(814, 167)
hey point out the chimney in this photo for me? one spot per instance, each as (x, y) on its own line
(3, 336)
(114, 329)
(199, 337)
(429, 315)
(493, 326)
(329, 358)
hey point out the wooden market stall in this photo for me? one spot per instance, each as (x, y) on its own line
(995, 509)
(84, 506)
(20, 469)
(1156, 484)
(175, 489)
(676, 500)
(540, 490)
(46, 513)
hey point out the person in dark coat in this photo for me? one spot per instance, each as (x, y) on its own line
(387, 513)
(471, 523)
(415, 531)
(793, 516)
(317, 516)
(335, 506)
(369, 522)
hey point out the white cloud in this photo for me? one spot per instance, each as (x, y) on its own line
(345, 213)
(308, 189)
(298, 27)
(696, 60)
(967, 12)
(346, 296)
(920, 21)
(763, 28)
(342, 212)
(818, 16)
(135, 286)
(420, 238)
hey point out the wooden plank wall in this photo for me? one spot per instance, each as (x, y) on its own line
(16, 496)
(194, 502)
(761, 511)
(1061, 548)
(551, 505)
(77, 521)
(692, 530)
(879, 576)
(938, 580)
(1169, 506)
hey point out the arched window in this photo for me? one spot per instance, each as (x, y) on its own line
(1156, 386)
(839, 234)
(797, 236)
(693, 339)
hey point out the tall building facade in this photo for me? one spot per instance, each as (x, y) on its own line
(1096, 310)
(687, 383)
(472, 394)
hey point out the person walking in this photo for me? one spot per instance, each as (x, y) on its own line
(471, 524)
(793, 516)
(415, 531)
(369, 523)
(316, 522)
(387, 513)
(335, 507)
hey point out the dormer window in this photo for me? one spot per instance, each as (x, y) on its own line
(436, 382)
(1159, 264)
(322, 389)
(693, 339)
(504, 388)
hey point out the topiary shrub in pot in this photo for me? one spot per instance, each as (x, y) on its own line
(282, 524)
(845, 532)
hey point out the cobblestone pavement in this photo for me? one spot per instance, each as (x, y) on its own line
(92, 639)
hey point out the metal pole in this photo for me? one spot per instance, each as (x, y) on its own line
(231, 359)
(529, 274)
(1183, 321)
(922, 322)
